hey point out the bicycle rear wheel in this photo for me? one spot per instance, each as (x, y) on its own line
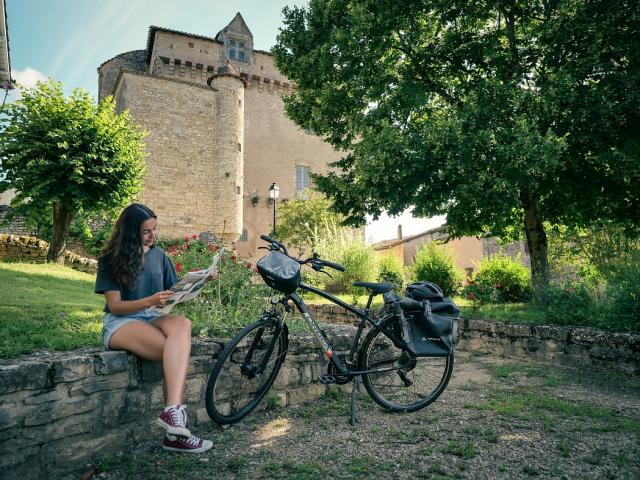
(245, 371)
(411, 383)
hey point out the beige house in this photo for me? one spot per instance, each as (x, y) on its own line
(218, 134)
(467, 251)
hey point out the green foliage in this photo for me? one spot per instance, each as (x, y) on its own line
(483, 112)
(391, 269)
(435, 263)
(305, 218)
(509, 279)
(624, 291)
(68, 158)
(347, 247)
(570, 304)
(226, 304)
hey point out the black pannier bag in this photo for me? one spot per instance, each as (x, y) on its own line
(433, 328)
(280, 272)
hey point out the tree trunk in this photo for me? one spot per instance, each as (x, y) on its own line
(61, 223)
(537, 243)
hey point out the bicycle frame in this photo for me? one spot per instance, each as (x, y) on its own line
(363, 315)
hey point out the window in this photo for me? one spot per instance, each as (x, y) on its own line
(238, 50)
(302, 178)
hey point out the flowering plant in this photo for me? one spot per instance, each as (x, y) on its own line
(225, 304)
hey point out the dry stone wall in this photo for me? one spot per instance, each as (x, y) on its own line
(61, 411)
(30, 249)
(575, 346)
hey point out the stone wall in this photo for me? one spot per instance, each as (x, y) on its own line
(574, 346)
(60, 411)
(30, 249)
(17, 226)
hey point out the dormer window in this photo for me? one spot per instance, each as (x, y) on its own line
(238, 50)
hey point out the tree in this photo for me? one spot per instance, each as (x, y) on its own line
(305, 218)
(500, 114)
(68, 157)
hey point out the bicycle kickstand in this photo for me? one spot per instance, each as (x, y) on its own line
(355, 389)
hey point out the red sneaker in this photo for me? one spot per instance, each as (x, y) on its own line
(174, 421)
(186, 444)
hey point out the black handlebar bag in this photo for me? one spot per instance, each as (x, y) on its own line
(280, 272)
(433, 330)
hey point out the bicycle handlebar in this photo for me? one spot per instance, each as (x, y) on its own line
(314, 260)
(335, 266)
(275, 242)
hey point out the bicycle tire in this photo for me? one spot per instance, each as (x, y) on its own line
(429, 376)
(232, 394)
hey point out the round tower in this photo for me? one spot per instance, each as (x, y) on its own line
(228, 89)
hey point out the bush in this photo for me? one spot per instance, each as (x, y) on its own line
(624, 292)
(435, 264)
(570, 304)
(345, 246)
(236, 298)
(391, 269)
(510, 279)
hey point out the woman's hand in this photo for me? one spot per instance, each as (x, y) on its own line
(160, 298)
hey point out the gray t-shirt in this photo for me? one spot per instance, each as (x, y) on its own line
(157, 275)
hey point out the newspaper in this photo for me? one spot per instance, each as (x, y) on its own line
(188, 287)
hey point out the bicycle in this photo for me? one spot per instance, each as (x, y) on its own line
(394, 376)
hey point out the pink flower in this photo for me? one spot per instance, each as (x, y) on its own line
(471, 296)
(185, 246)
(234, 258)
(194, 235)
(247, 264)
(178, 267)
(186, 238)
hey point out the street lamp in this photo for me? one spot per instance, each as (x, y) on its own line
(274, 193)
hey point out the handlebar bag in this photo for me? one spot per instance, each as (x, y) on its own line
(280, 272)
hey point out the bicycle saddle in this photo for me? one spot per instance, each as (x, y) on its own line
(382, 287)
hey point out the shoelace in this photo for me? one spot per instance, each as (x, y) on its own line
(192, 441)
(182, 409)
(179, 415)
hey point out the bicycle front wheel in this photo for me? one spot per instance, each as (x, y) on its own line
(245, 371)
(406, 383)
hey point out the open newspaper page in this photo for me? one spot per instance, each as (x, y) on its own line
(189, 286)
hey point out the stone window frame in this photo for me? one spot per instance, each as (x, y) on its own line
(237, 49)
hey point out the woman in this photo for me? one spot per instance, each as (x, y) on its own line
(135, 275)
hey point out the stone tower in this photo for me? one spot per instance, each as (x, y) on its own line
(228, 87)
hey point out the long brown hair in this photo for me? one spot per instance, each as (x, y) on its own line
(122, 258)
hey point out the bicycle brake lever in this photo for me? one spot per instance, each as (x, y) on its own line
(326, 273)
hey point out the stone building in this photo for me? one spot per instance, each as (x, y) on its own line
(218, 134)
(467, 251)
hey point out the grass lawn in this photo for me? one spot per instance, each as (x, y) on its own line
(47, 307)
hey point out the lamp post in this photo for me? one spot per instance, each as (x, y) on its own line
(274, 193)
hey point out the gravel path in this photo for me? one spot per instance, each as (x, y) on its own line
(497, 419)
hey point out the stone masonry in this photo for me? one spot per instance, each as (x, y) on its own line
(212, 152)
(61, 411)
(32, 250)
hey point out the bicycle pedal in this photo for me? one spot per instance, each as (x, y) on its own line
(327, 379)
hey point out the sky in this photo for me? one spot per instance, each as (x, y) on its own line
(68, 39)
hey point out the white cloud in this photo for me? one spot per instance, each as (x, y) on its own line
(28, 77)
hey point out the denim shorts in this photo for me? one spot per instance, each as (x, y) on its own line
(111, 322)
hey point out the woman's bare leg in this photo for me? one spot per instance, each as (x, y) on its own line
(145, 340)
(175, 355)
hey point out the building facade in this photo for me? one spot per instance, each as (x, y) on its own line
(218, 136)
